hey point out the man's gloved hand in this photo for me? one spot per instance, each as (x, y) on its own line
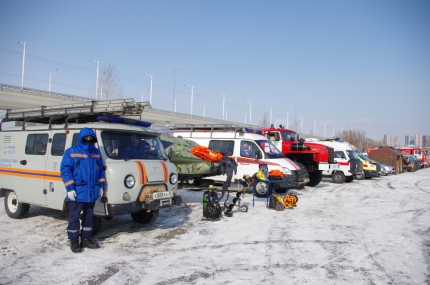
(101, 192)
(72, 195)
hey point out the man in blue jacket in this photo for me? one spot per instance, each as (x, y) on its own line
(83, 176)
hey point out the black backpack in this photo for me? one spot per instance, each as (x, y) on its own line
(211, 207)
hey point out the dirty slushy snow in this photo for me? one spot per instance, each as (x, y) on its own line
(366, 232)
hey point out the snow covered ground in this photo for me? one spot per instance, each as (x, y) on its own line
(367, 232)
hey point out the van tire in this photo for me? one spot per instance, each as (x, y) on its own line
(361, 176)
(145, 217)
(97, 224)
(349, 179)
(15, 209)
(315, 178)
(338, 177)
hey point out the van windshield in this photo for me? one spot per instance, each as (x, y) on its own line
(269, 149)
(352, 154)
(125, 145)
(361, 155)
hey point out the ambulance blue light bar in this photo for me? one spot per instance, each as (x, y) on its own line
(125, 121)
(252, 131)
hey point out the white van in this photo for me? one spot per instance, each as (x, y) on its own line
(229, 138)
(31, 158)
(345, 156)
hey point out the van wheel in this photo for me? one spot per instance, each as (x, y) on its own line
(97, 223)
(145, 217)
(361, 175)
(349, 179)
(315, 178)
(261, 189)
(338, 177)
(15, 209)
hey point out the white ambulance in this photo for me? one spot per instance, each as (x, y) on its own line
(230, 138)
(31, 158)
(345, 156)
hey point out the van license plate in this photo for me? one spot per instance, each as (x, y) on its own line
(161, 195)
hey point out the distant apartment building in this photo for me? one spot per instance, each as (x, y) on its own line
(414, 140)
(418, 140)
(409, 140)
(391, 140)
(426, 141)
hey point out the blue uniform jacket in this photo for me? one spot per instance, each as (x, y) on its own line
(82, 169)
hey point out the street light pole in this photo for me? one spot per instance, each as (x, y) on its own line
(250, 111)
(287, 117)
(141, 100)
(324, 128)
(50, 75)
(97, 78)
(174, 85)
(301, 125)
(295, 117)
(23, 65)
(270, 114)
(150, 89)
(204, 109)
(192, 91)
(175, 103)
(223, 104)
(226, 111)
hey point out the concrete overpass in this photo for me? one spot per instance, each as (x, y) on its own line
(14, 97)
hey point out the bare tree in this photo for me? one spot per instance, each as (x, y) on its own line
(264, 121)
(359, 139)
(110, 85)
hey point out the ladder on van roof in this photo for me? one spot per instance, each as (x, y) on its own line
(210, 128)
(76, 113)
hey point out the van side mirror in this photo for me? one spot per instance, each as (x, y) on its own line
(170, 154)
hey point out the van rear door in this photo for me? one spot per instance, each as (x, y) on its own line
(56, 192)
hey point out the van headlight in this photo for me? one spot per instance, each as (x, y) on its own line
(286, 171)
(173, 178)
(129, 181)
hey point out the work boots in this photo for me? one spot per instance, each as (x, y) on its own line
(89, 243)
(75, 247)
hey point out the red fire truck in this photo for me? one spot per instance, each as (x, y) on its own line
(312, 157)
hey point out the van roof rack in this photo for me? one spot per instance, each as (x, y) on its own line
(76, 113)
(213, 128)
(207, 127)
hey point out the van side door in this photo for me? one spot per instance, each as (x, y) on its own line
(31, 181)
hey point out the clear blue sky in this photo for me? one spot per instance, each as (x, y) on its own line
(362, 65)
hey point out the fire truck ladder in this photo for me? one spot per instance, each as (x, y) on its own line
(75, 113)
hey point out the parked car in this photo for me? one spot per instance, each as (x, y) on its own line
(388, 169)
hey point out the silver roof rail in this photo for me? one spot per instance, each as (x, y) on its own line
(79, 112)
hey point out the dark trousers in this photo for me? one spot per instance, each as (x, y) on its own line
(74, 227)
